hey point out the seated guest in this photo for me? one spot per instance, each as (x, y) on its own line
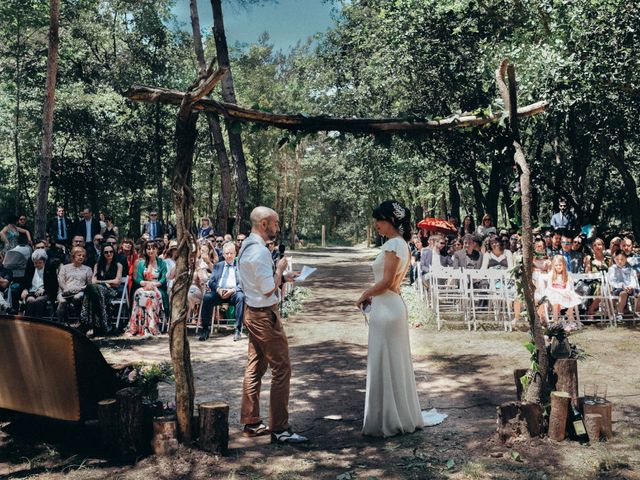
(486, 228)
(11, 234)
(596, 262)
(498, 258)
(150, 300)
(218, 245)
(435, 255)
(615, 244)
(27, 236)
(104, 287)
(90, 253)
(469, 256)
(168, 257)
(271, 245)
(97, 245)
(73, 279)
(205, 228)
(574, 259)
(110, 230)
(559, 289)
(60, 229)
(415, 249)
(127, 251)
(40, 283)
(6, 276)
(241, 238)
(633, 260)
(468, 226)
(541, 262)
(224, 287)
(623, 281)
(556, 245)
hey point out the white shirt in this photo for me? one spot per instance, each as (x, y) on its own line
(230, 280)
(38, 280)
(87, 224)
(255, 267)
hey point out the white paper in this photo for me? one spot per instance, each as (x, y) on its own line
(306, 271)
(433, 417)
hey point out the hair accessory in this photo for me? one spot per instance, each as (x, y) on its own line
(401, 230)
(398, 211)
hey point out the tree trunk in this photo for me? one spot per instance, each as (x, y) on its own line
(159, 173)
(233, 129)
(617, 158)
(224, 203)
(214, 427)
(296, 197)
(454, 197)
(593, 425)
(47, 120)
(605, 410)
(16, 129)
(537, 389)
(131, 422)
(566, 373)
(517, 419)
(183, 201)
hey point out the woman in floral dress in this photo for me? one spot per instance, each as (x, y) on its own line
(150, 300)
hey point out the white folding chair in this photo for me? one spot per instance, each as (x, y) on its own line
(605, 310)
(449, 294)
(488, 296)
(122, 302)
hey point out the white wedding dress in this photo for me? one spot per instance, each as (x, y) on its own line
(391, 404)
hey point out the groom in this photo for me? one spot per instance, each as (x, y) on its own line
(268, 345)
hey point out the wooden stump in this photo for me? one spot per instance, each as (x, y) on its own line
(165, 435)
(605, 410)
(131, 421)
(518, 373)
(214, 427)
(559, 413)
(593, 424)
(566, 371)
(108, 422)
(519, 418)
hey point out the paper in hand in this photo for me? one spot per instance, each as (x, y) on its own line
(306, 271)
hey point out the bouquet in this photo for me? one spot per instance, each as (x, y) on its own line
(146, 377)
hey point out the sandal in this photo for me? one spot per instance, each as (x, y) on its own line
(287, 437)
(255, 430)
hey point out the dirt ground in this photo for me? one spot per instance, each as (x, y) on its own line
(464, 374)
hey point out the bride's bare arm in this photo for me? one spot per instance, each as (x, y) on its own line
(391, 262)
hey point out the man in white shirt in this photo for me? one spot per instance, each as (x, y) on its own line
(268, 345)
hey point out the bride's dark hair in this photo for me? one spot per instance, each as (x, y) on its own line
(397, 214)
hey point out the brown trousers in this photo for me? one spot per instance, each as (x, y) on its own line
(268, 346)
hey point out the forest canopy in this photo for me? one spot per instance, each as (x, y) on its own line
(401, 58)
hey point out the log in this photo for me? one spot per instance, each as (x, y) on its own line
(517, 419)
(593, 424)
(559, 413)
(518, 373)
(605, 410)
(164, 446)
(214, 427)
(140, 93)
(165, 428)
(566, 372)
(131, 421)
(108, 423)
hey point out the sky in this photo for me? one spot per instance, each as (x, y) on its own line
(287, 21)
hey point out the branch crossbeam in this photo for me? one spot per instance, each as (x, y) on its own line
(323, 123)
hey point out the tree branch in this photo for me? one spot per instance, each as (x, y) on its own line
(323, 123)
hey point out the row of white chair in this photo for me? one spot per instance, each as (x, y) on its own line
(486, 296)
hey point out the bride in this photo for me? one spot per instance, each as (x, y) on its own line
(391, 404)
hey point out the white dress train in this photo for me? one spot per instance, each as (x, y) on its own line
(391, 404)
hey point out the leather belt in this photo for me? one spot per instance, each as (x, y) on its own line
(262, 309)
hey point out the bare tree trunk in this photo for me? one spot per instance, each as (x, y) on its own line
(454, 197)
(183, 200)
(47, 120)
(222, 210)
(537, 391)
(233, 132)
(617, 158)
(296, 197)
(16, 130)
(158, 167)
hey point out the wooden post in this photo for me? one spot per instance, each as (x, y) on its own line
(165, 433)
(593, 424)
(518, 373)
(324, 234)
(519, 418)
(558, 418)
(214, 427)
(603, 409)
(130, 420)
(566, 371)
(108, 422)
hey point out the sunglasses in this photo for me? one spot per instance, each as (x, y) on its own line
(577, 243)
(108, 252)
(566, 243)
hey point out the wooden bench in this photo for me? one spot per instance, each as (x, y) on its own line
(51, 370)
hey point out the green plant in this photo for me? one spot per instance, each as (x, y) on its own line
(146, 377)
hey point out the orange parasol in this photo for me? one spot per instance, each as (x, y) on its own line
(437, 225)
